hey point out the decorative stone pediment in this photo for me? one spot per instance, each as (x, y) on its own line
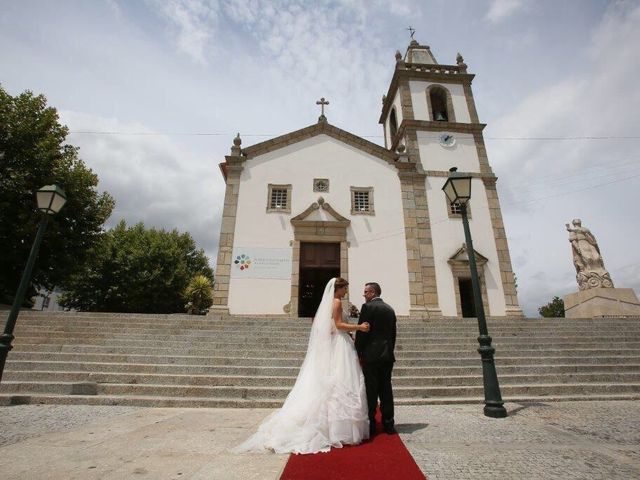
(320, 128)
(460, 259)
(318, 214)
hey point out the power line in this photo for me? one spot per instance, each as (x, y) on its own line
(561, 194)
(554, 177)
(186, 134)
(222, 134)
(569, 181)
(605, 137)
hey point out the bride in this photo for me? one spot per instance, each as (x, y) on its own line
(327, 406)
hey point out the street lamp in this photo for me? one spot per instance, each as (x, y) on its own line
(457, 188)
(50, 200)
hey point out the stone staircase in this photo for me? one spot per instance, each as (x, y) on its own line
(189, 361)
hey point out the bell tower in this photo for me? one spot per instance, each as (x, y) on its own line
(430, 119)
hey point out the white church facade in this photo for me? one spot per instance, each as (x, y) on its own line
(321, 202)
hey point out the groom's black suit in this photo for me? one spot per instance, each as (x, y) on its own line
(375, 349)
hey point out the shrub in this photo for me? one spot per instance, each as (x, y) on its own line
(198, 295)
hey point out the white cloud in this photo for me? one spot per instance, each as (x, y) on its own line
(193, 22)
(152, 180)
(258, 66)
(544, 184)
(499, 10)
(115, 8)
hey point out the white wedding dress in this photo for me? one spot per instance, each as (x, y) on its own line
(327, 406)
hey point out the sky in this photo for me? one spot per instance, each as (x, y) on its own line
(154, 91)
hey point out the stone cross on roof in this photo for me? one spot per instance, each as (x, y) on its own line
(412, 31)
(322, 102)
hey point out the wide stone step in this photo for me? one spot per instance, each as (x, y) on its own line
(278, 371)
(150, 368)
(303, 337)
(428, 324)
(259, 393)
(137, 401)
(182, 360)
(219, 317)
(302, 331)
(291, 351)
(199, 402)
(288, 381)
(58, 338)
(196, 322)
(231, 359)
(257, 351)
(445, 325)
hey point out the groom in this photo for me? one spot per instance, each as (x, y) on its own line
(375, 349)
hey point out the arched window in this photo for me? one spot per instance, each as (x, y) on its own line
(393, 124)
(438, 101)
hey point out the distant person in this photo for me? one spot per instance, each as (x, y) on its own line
(376, 350)
(327, 406)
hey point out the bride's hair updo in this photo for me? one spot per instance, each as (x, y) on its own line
(340, 282)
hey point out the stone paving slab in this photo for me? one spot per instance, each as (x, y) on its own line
(566, 440)
(572, 440)
(143, 443)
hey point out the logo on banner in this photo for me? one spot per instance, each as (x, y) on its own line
(243, 262)
(260, 262)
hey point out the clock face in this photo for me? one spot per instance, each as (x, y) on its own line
(447, 140)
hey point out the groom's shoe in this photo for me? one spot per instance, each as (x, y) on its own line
(389, 428)
(372, 429)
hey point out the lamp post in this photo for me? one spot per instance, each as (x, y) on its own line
(50, 200)
(457, 188)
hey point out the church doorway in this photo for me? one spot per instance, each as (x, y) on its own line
(467, 304)
(319, 262)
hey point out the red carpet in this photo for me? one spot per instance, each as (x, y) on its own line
(385, 458)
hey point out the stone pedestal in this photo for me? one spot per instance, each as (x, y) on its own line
(602, 302)
(513, 311)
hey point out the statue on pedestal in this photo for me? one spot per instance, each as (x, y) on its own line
(590, 271)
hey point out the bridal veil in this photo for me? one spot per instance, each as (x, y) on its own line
(327, 406)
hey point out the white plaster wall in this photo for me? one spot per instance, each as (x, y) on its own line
(448, 237)
(379, 255)
(463, 154)
(378, 249)
(419, 100)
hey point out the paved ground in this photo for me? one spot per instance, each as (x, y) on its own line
(572, 440)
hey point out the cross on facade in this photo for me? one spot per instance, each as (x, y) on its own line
(412, 31)
(322, 102)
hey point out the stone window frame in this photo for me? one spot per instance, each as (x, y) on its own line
(369, 191)
(276, 186)
(451, 116)
(458, 215)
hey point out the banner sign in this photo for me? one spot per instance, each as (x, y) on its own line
(253, 262)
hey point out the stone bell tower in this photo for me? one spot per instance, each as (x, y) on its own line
(429, 117)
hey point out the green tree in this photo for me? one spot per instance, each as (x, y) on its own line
(198, 295)
(135, 269)
(33, 153)
(554, 309)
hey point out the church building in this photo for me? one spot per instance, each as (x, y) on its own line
(321, 202)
